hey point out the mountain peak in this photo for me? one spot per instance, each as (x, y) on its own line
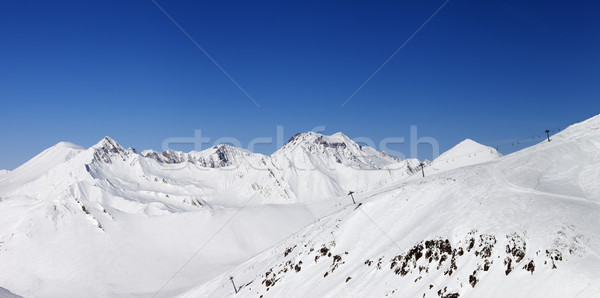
(468, 146)
(301, 136)
(339, 134)
(311, 137)
(67, 145)
(108, 143)
(468, 142)
(332, 150)
(465, 153)
(107, 147)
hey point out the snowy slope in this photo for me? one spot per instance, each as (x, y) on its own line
(465, 153)
(318, 166)
(4, 293)
(305, 169)
(112, 222)
(524, 225)
(109, 221)
(37, 166)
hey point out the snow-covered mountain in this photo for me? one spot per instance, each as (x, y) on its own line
(307, 150)
(144, 213)
(465, 153)
(113, 222)
(224, 175)
(524, 225)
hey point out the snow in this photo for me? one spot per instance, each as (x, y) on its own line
(533, 218)
(465, 153)
(109, 221)
(4, 293)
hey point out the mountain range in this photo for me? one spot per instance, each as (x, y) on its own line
(114, 222)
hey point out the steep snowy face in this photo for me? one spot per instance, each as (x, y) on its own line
(317, 167)
(215, 157)
(524, 225)
(108, 149)
(309, 149)
(465, 153)
(224, 156)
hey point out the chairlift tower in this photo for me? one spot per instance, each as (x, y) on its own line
(350, 194)
(234, 287)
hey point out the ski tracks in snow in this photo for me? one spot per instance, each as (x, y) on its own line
(500, 179)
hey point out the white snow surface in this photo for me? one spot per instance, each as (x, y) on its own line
(111, 222)
(465, 153)
(4, 293)
(524, 225)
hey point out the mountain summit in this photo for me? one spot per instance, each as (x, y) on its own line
(337, 148)
(465, 153)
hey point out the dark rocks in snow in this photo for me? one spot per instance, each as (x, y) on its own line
(515, 250)
(487, 264)
(434, 254)
(442, 294)
(509, 267)
(270, 281)
(554, 255)
(516, 247)
(473, 278)
(486, 243)
(337, 260)
(530, 266)
(471, 244)
(452, 266)
(379, 263)
(288, 250)
(432, 250)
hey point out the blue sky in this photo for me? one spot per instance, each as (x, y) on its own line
(487, 70)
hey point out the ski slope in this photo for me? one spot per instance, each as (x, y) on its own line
(113, 222)
(524, 225)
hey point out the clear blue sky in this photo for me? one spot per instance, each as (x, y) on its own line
(487, 70)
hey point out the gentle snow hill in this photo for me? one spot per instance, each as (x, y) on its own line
(523, 225)
(40, 164)
(465, 153)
